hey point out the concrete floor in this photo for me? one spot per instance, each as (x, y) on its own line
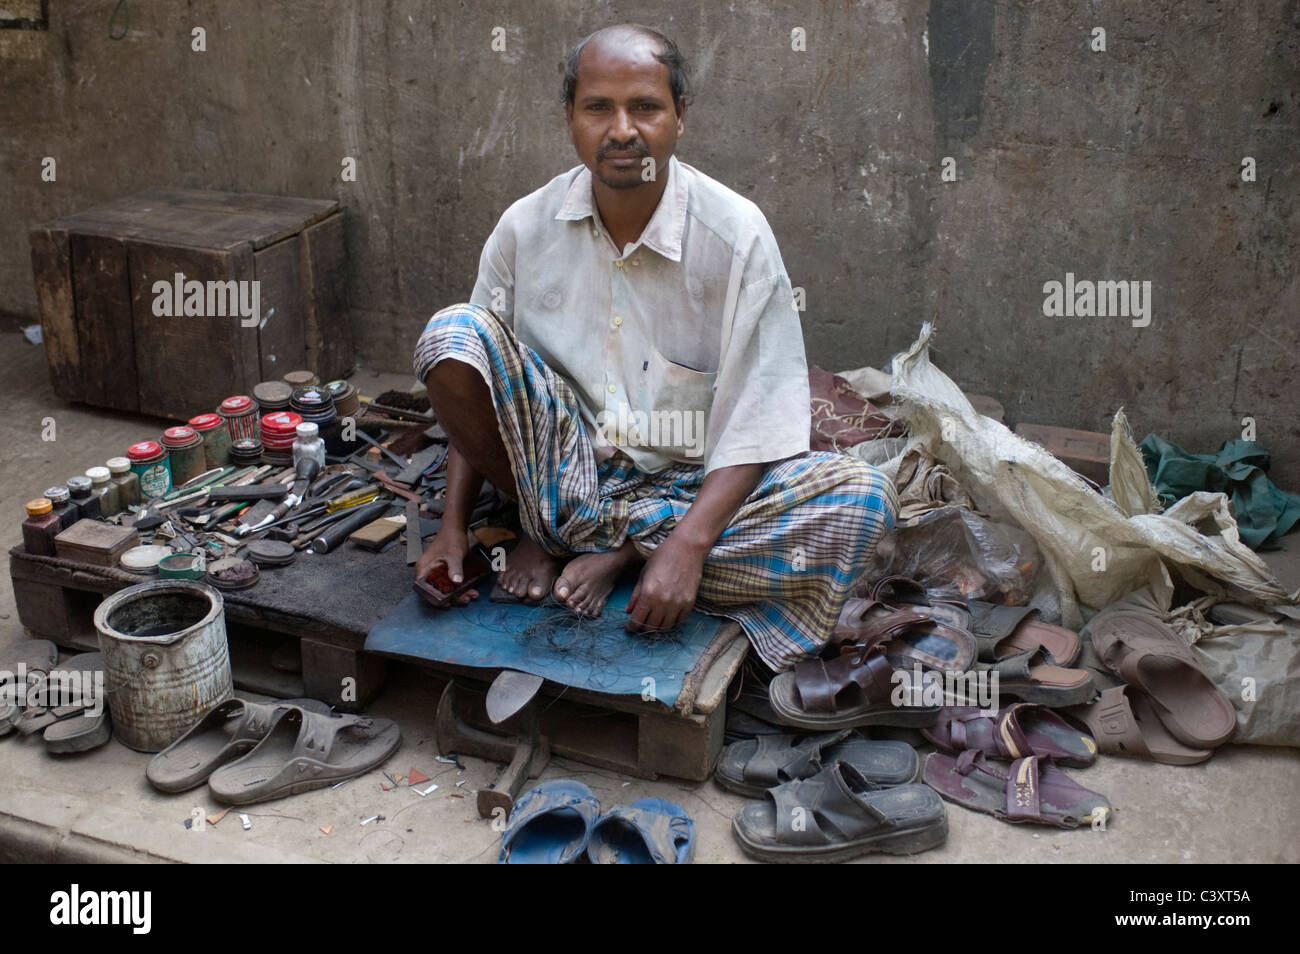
(1241, 806)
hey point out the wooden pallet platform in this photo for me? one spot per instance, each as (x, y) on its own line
(56, 600)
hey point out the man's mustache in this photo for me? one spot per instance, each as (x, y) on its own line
(635, 146)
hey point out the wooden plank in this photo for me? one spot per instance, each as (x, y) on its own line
(346, 679)
(188, 365)
(330, 351)
(199, 219)
(52, 267)
(282, 338)
(1085, 452)
(105, 337)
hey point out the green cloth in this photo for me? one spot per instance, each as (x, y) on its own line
(1240, 470)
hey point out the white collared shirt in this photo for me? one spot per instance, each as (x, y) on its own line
(685, 347)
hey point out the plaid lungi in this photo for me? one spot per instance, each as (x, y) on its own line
(783, 567)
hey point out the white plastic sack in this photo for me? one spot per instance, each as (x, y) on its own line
(1094, 551)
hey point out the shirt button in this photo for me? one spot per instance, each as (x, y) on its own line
(618, 320)
(619, 263)
(612, 389)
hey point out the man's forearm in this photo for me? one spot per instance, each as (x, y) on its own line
(717, 501)
(463, 486)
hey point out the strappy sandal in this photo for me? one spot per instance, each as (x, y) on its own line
(1149, 656)
(932, 636)
(1018, 730)
(1029, 790)
(752, 766)
(856, 688)
(1124, 723)
(839, 814)
(999, 631)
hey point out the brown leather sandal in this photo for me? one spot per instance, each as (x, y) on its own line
(1123, 723)
(1017, 731)
(856, 688)
(1031, 677)
(910, 635)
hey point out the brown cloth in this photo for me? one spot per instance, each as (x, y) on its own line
(841, 417)
(924, 485)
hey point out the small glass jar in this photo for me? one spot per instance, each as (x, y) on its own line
(80, 489)
(309, 444)
(101, 485)
(62, 506)
(216, 439)
(185, 451)
(40, 528)
(150, 464)
(126, 481)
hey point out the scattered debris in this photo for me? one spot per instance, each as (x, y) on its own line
(451, 760)
(455, 795)
(417, 777)
(461, 782)
(426, 791)
(245, 821)
(367, 821)
(213, 819)
(326, 829)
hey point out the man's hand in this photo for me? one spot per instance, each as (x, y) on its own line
(449, 548)
(665, 593)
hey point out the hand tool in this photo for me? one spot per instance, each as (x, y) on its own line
(305, 471)
(340, 531)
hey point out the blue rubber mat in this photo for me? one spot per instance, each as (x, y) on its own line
(552, 643)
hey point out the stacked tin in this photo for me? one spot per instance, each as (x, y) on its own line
(315, 405)
(278, 431)
(240, 414)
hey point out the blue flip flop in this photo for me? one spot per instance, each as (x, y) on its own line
(550, 824)
(650, 831)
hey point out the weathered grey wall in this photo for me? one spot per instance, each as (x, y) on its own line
(1121, 164)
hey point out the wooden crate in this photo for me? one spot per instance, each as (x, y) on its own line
(95, 273)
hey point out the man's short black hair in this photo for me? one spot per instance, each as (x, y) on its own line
(668, 55)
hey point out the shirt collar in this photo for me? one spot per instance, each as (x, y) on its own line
(663, 232)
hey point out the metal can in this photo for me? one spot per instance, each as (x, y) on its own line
(240, 414)
(149, 462)
(185, 449)
(216, 439)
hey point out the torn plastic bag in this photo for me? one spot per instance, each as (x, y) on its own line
(1094, 550)
(957, 554)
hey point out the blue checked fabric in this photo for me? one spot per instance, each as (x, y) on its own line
(782, 569)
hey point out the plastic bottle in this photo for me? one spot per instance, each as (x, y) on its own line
(40, 528)
(62, 504)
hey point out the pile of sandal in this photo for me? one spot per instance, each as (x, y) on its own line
(560, 822)
(249, 752)
(1034, 740)
(895, 626)
(62, 702)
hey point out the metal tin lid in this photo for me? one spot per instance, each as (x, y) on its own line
(272, 392)
(307, 431)
(284, 422)
(118, 465)
(310, 398)
(179, 436)
(99, 475)
(300, 379)
(39, 506)
(238, 404)
(181, 566)
(144, 450)
(144, 559)
(57, 495)
(205, 422)
(79, 485)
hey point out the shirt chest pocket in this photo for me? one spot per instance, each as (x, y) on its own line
(676, 401)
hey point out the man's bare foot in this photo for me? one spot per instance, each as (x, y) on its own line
(588, 579)
(529, 571)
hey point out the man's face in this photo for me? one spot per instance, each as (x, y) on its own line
(623, 112)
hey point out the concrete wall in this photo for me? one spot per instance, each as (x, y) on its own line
(1123, 164)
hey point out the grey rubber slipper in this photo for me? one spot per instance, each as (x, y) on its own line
(752, 766)
(305, 750)
(839, 814)
(228, 731)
